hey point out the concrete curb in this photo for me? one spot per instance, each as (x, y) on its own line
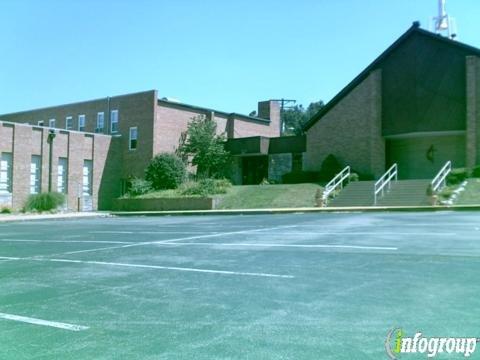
(301, 210)
(31, 217)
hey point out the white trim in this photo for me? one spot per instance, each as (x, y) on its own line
(130, 138)
(82, 121)
(115, 111)
(67, 120)
(40, 123)
(50, 121)
(97, 127)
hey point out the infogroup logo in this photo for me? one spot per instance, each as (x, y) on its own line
(397, 343)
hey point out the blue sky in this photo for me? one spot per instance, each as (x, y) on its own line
(221, 54)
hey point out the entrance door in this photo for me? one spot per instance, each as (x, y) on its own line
(254, 169)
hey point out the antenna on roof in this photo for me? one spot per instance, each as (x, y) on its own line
(444, 24)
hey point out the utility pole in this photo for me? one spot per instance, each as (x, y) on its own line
(284, 105)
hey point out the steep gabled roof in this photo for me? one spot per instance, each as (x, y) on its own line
(414, 29)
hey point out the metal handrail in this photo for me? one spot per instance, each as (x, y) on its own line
(336, 182)
(384, 181)
(439, 181)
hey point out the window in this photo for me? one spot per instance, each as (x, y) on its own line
(87, 178)
(69, 123)
(35, 174)
(133, 138)
(51, 123)
(62, 175)
(40, 123)
(81, 122)
(114, 121)
(100, 122)
(6, 173)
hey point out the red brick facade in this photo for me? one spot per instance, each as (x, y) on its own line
(159, 125)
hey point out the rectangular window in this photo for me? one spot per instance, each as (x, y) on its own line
(81, 122)
(35, 174)
(133, 138)
(6, 173)
(87, 178)
(51, 123)
(114, 121)
(69, 123)
(100, 122)
(62, 175)
(40, 123)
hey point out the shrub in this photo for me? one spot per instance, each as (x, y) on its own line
(139, 187)
(206, 187)
(353, 177)
(44, 201)
(165, 171)
(476, 172)
(457, 176)
(298, 177)
(330, 167)
(6, 210)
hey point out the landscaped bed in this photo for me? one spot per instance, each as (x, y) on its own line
(253, 196)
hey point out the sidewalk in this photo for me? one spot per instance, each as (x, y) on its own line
(299, 210)
(29, 217)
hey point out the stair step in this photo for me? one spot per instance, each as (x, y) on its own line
(402, 192)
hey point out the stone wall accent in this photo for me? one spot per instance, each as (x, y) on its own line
(236, 170)
(351, 131)
(473, 111)
(279, 165)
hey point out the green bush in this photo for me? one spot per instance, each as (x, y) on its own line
(298, 177)
(206, 187)
(6, 210)
(353, 177)
(139, 187)
(457, 176)
(166, 171)
(330, 167)
(44, 201)
(476, 172)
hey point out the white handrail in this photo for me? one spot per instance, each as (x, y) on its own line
(336, 182)
(384, 181)
(439, 181)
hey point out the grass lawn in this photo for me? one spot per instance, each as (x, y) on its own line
(256, 196)
(471, 195)
(269, 196)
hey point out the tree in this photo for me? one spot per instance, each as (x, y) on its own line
(165, 171)
(205, 148)
(296, 117)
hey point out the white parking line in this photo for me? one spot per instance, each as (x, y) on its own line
(41, 322)
(153, 232)
(288, 245)
(67, 241)
(175, 240)
(158, 267)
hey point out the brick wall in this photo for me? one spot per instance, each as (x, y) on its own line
(351, 131)
(23, 141)
(473, 110)
(133, 109)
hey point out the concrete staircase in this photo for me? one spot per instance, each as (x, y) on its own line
(402, 193)
(358, 193)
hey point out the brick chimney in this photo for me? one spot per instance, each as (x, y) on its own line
(270, 110)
